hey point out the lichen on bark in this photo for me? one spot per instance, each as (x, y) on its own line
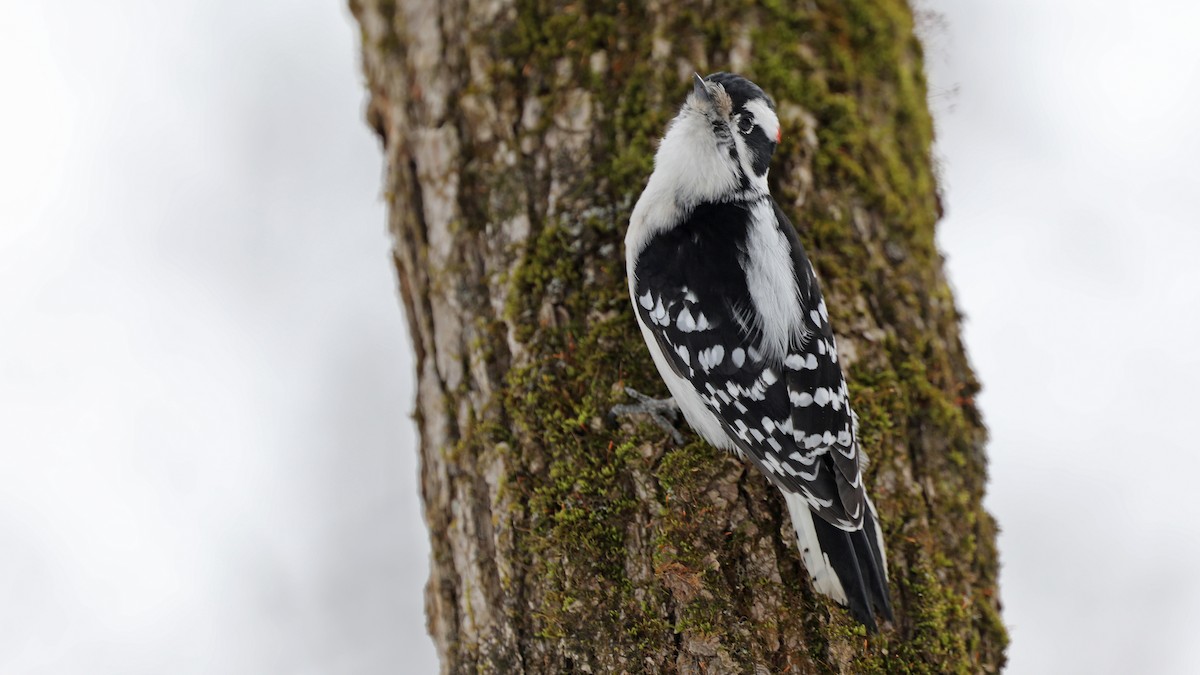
(518, 134)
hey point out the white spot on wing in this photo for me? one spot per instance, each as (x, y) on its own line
(684, 321)
(806, 460)
(772, 464)
(717, 355)
(741, 429)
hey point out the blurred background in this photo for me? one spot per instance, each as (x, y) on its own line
(206, 455)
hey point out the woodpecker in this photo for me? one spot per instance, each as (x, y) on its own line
(731, 310)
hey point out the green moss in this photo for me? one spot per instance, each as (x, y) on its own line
(855, 68)
(683, 471)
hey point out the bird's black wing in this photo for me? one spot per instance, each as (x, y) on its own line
(790, 416)
(821, 415)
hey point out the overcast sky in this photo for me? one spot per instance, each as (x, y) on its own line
(1070, 173)
(206, 459)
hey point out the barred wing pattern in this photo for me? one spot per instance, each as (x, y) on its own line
(791, 416)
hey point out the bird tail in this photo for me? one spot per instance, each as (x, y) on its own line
(850, 567)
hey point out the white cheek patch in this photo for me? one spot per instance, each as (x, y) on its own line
(765, 118)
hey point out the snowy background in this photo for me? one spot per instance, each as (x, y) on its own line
(206, 457)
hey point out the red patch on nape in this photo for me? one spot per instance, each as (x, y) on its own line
(779, 134)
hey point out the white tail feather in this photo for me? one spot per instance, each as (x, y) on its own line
(824, 578)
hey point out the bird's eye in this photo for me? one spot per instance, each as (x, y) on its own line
(745, 124)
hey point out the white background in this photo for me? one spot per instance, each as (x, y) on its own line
(206, 459)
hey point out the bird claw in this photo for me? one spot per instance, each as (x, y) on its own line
(659, 411)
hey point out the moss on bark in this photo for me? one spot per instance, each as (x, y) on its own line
(612, 550)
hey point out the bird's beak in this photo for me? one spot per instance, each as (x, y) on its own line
(701, 89)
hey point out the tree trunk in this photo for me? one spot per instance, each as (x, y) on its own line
(518, 135)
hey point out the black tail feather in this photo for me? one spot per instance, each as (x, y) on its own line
(860, 568)
(871, 557)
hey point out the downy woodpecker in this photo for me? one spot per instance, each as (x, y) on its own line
(733, 315)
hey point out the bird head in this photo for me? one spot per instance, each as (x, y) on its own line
(722, 140)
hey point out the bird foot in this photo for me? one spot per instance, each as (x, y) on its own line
(662, 411)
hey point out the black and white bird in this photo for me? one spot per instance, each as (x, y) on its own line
(733, 315)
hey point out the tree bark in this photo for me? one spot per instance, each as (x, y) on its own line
(518, 134)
